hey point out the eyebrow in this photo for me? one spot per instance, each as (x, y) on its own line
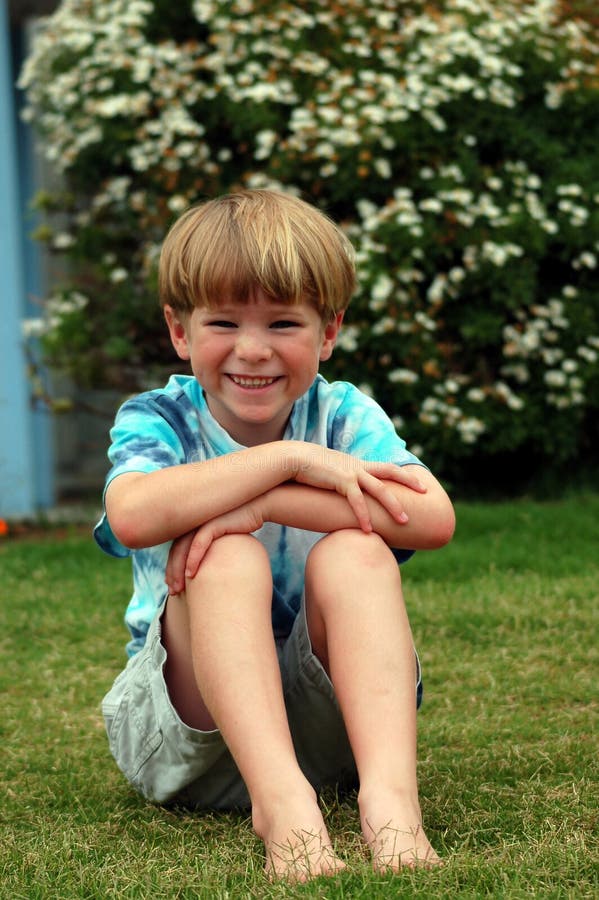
(275, 306)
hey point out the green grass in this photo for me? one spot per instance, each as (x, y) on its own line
(505, 620)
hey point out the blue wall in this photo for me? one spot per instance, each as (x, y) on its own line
(26, 465)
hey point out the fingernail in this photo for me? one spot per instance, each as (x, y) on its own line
(403, 518)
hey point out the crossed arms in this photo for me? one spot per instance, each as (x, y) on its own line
(292, 483)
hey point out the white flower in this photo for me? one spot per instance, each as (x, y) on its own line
(384, 325)
(505, 393)
(33, 328)
(558, 400)
(499, 254)
(118, 275)
(177, 203)
(475, 395)
(121, 105)
(437, 289)
(425, 321)
(382, 287)
(518, 371)
(186, 149)
(347, 339)
(63, 304)
(328, 170)
(470, 429)
(382, 167)
(549, 226)
(265, 141)
(587, 354)
(402, 376)
(456, 275)
(63, 241)
(555, 378)
(431, 204)
(586, 260)
(552, 356)
(569, 190)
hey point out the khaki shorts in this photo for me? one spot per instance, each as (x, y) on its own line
(170, 763)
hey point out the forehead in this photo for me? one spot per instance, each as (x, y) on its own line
(257, 298)
(259, 308)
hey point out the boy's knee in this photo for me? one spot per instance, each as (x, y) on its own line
(350, 548)
(233, 551)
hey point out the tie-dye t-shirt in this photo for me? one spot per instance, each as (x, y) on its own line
(173, 425)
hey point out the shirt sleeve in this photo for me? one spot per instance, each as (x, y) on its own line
(362, 428)
(142, 440)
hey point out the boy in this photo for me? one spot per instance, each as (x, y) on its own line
(279, 658)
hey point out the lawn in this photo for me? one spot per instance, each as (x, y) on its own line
(505, 620)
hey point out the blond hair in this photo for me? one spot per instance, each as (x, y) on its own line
(227, 248)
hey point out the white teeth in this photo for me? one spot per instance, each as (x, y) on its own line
(251, 382)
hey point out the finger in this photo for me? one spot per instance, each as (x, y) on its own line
(357, 502)
(386, 497)
(175, 568)
(408, 479)
(197, 551)
(392, 472)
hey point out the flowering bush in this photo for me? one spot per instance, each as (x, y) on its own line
(456, 141)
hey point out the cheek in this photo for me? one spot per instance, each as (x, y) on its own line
(206, 353)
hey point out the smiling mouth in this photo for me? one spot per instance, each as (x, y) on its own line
(253, 381)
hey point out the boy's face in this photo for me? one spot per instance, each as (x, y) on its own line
(253, 360)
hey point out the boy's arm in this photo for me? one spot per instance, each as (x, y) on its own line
(145, 509)
(429, 517)
(429, 523)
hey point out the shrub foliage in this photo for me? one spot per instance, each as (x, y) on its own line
(456, 141)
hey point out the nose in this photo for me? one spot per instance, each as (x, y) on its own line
(252, 346)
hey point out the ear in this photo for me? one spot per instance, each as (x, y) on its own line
(331, 330)
(178, 331)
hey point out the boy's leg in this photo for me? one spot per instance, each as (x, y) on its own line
(223, 669)
(360, 631)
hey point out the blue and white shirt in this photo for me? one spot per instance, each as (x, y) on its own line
(173, 425)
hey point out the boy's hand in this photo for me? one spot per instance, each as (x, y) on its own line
(188, 551)
(352, 478)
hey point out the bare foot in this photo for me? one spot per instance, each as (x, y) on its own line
(302, 856)
(393, 831)
(297, 852)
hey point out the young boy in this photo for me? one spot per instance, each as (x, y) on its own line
(279, 657)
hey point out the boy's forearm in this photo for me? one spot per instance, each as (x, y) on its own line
(430, 523)
(145, 509)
